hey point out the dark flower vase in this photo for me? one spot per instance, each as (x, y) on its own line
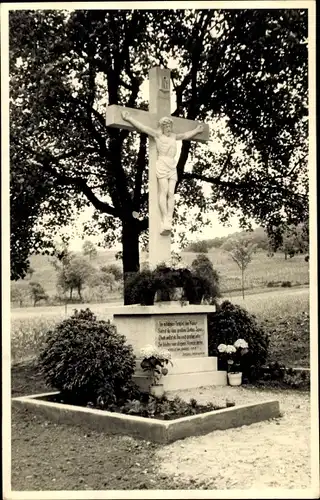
(194, 290)
(147, 299)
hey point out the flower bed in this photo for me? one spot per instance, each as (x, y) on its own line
(151, 429)
(149, 407)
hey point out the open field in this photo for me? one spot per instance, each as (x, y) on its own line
(261, 271)
(284, 312)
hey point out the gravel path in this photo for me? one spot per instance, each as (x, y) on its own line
(270, 454)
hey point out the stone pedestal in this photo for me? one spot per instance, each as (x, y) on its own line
(180, 329)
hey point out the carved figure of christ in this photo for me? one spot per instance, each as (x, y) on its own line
(166, 172)
(163, 132)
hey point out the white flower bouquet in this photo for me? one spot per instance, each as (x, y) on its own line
(155, 359)
(233, 353)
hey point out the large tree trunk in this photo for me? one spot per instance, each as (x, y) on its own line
(130, 254)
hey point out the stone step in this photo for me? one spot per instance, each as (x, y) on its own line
(188, 365)
(180, 381)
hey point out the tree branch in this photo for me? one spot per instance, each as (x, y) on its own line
(89, 194)
(80, 184)
(90, 109)
(45, 160)
(216, 180)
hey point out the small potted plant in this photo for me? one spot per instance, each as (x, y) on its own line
(233, 354)
(168, 282)
(155, 361)
(196, 288)
(180, 283)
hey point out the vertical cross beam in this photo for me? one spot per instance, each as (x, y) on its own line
(159, 104)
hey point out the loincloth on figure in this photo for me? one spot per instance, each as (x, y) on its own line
(166, 168)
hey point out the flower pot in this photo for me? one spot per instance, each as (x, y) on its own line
(147, 300)
(197, 301)
(173, 294)
(157, 390)
(235, 378)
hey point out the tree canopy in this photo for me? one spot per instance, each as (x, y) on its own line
(244, 68)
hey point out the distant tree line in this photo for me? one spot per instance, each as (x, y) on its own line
(295, 241)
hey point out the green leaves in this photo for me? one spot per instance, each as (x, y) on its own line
(87, 360)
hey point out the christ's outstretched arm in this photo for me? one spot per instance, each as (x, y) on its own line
(188, 135)
(139, 126)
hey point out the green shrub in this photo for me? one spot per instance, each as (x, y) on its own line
(270, 284)
(197, 284)
(286, 284)
(87, 360)
(202, 267)
(276, 375)
(231, 322)
(141, 288)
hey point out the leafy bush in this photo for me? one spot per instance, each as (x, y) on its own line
(87, 360)
(286, 284)
(276, 374)
(296, 379)
(202, 268)
(141, 288)
(231, 322)
(163, 280)
(270, 284)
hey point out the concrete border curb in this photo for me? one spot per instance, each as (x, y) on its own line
(159, 431)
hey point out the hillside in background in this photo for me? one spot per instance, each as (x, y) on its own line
(258, 236)
(295, 241)
(262, 272)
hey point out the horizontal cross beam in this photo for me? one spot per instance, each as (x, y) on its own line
(180, 125)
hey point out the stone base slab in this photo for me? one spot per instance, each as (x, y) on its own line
(186, 365)
(158, 431)
(173, 307)
(181, 381)
(180, 329)
(186, 373)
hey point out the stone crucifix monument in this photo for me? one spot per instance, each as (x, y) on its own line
(180, 329)
(163, 131)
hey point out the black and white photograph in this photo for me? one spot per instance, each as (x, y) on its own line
(159, 250)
